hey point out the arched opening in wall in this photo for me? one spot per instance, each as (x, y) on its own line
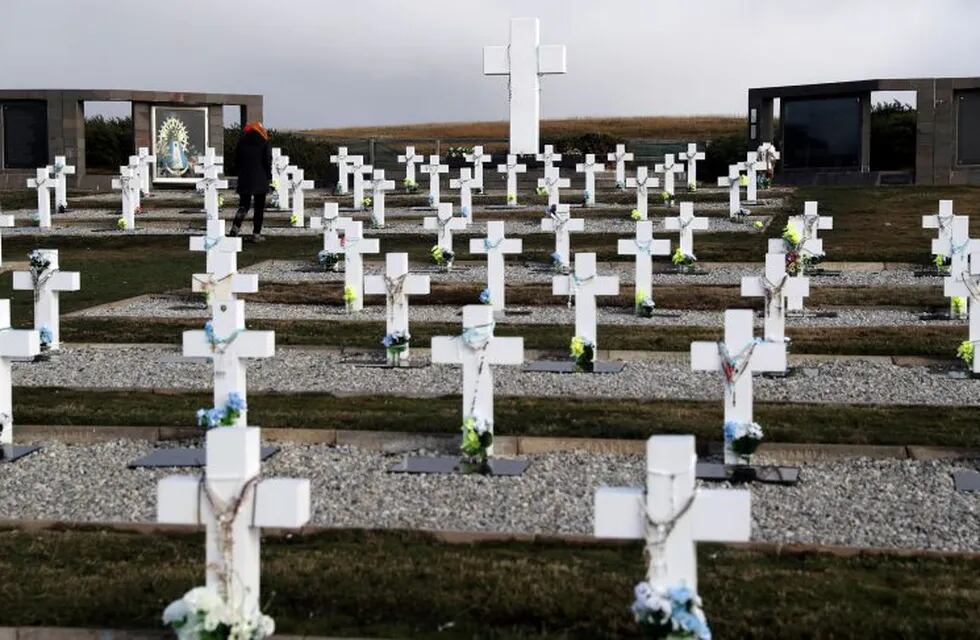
(109, 137)
(893, 131)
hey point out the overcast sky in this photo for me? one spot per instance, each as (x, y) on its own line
(326, 63)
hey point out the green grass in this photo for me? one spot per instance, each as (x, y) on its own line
(595, 418)
(402, 584)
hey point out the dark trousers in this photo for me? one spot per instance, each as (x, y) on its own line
(255, 201)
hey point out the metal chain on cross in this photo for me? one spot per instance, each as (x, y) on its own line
(732, 367)
(773, 291)
(225, 514)
(394, 288)
(477, 339)
(656, 532)
(574, 282)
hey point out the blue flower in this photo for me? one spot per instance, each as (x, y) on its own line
(386, 341)
(201, 415)
(680, 595)
(485, 296)
(731, 430)
(235, 402)
(556, 258)
(216, 416)
(45, 336)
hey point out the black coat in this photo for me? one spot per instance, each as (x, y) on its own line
(253, 162)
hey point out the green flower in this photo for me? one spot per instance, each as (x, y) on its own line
(577, 347)
(682, 259)
(121, 224)
(758, 225)
(664, 196)
(367, 202)
(511, 198)
(958, 304)
(635, 214)
(294, 220)
(965, 352)
(350, 295)
(542, 191)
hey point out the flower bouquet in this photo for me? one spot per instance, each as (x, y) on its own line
(559, 264)
(673, 613)
(121, 224)
(542, 191)
(644, 304)
(943, 264)
(635, 215)
(46, 338)
(667, 199)
(512, 199)
(683, 261)
(763, 181)
(223, 416)
(396, 344)
(442, 257)
(202, 614)
(294, 220)
(339, 188)
(957, 306)
(274, 198)
(350, 297)
(586, 198)
(431, 200)
(744, 438)
(329, 260)
(410, 185)
(477, 438)
(693, 187)
(366, 202)
(485, 297)
(583, 353)
(965, 353)
(38, 264)
(621, 185)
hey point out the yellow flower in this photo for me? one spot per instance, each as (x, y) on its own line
(294, 220)
(791, 235)
(965, 352)
(635, 214)
(350, 295)
(121, 223)
(641, 295)
(577, 347)
(958, 304)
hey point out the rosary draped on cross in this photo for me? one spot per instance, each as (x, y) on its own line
(773, 291)
(393, 290)
(733, 366)
(225, 514)
(657, 531)
(574, 282)
(476, 339)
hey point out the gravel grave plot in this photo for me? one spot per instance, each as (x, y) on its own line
(166, 306)
(295, 369)
(856, 502)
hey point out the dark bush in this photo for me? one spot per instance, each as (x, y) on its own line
(310, 154)
(893, 129)
(108, 143)
(719, 154)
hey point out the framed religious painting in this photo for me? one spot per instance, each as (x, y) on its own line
(180, 135)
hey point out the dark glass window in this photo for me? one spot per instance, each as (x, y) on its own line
(968, 127)
(25, 134)
(822, 133)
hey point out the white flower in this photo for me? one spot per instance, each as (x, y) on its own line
(202, 600)
(176, 611)
(267, 626)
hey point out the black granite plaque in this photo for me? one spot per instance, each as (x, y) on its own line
(455, 464)
(968, 127)
(13, 452)
(966, 480)
(821, 132)
(824, 273)
(562, 366)
(185, 457)
(935, 316)
(25, 134)
(739, 473)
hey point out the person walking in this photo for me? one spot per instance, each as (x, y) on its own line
(253, 162)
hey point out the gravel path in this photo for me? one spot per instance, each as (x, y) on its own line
(167, 306)
(857, 502)
(304, 369)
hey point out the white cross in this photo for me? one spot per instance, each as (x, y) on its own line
(280, 175)
(495, 245)
(750, 356)
(43, 183)
(465, 183)
(751, 166)
(671, 514)
(410, 159)
(732, 181)
(960, 249)
(227, 347)
(355, 246)
(232, 472)
(209, 184)
(14, 343)
(128, 185)
(524, 61)
(769, 155)
(477, 159)
(644, 247)
(590, 168)
(342, 160)
(584, 284)
(642, 183)
(512, 168)
(297, 185)
(444, 223)
(134, 165)
(549, 158)
(561, 223)
(774, 287)
(147, 160)
(967, 285)
(620, 157)
(221, 280)
(434, 169)
(668, 168)
(942, 221)
(50, 283)
(396, 285)
(359, 170)
(378, 186)
(691, 157)
(208, 160)
(330, 222)
(687, 223)
(475, 350)
(60, 169)
(808, 227)
(553, 182)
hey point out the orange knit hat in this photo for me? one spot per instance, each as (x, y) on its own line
(258, 128)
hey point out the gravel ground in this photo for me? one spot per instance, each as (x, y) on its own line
(165, 306)
(857, 502)
(302, 369)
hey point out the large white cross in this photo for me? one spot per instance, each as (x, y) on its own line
(477, 159)
(960, 249)
(330, 223)
(644, 247)
(548, 157)
(495, 245)
(359, 170)
(221, 280)
(942, 221)
(60, 169)
(232, 474)
(378, 186)
(410, 159)
(280, 175)
(14, 343)
(433, 168)
(751, 167)
(355, 246)
(134, 165)
(297, 185)
(769, 155)
(590, 168)
(342, 160)
(444, 223)
(668, 168)
(227, 347)
(43, 183)
(774, 287)
(671, 514)
(475, 350)
(691, 157)
(208, 160)
(746, 356)
(808, 227)
(524, 60)
(396, 285)
(147, 161)
(686, 223)
(967, 285)
(512, 168)
(560, 222)
(620, 157)
(584, 284)
(465, 183)
(50, 283)
(128, 185)
(553, 182)
(733, 182)
(209, 184)
(642, 183)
